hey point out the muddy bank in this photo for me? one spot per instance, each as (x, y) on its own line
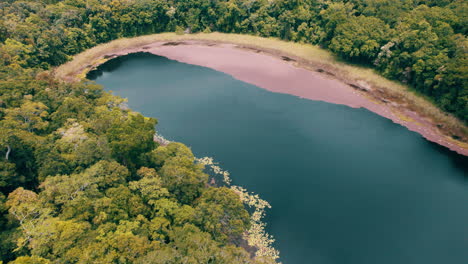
(280, 73)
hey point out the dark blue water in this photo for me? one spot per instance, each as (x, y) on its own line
(346, 185)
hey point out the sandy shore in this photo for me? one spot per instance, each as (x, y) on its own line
(278, 73)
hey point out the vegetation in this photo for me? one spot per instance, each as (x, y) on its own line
(81, 178)
(83, 181)
(421, 43)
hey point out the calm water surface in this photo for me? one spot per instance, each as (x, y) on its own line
(346, 185)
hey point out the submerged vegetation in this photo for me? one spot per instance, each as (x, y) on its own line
(82, 179)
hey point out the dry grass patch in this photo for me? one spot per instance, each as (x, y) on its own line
(86, 58)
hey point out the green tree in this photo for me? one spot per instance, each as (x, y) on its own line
(30, 260)
(30, 116)
(182, 177)
(360, 38)
(130, 138)
(222, 214)
(149, 186)
(15, 53)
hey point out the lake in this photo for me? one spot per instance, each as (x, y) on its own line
(346, 185)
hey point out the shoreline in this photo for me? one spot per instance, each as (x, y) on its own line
(281, 72)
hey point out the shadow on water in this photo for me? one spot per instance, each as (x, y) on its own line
(115, 63)
(458, 161)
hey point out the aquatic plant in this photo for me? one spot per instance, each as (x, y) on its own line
(256, 236)
(207, 161)
(160, 139)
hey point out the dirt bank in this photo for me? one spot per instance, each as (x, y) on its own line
(279, 72)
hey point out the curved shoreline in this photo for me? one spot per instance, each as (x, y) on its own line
(279, 72)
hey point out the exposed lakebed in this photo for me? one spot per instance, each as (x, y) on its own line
(346, 185)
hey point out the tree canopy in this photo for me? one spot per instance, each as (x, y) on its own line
(421, 43)
(81, 178)
(83, 181)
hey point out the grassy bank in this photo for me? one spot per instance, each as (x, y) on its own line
(90, 56)
(305, 55)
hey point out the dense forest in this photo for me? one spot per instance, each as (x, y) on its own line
(83, 181)
(419, 42)
(81, 178)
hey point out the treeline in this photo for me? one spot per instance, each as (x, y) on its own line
(82, 181)
(419, 42)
